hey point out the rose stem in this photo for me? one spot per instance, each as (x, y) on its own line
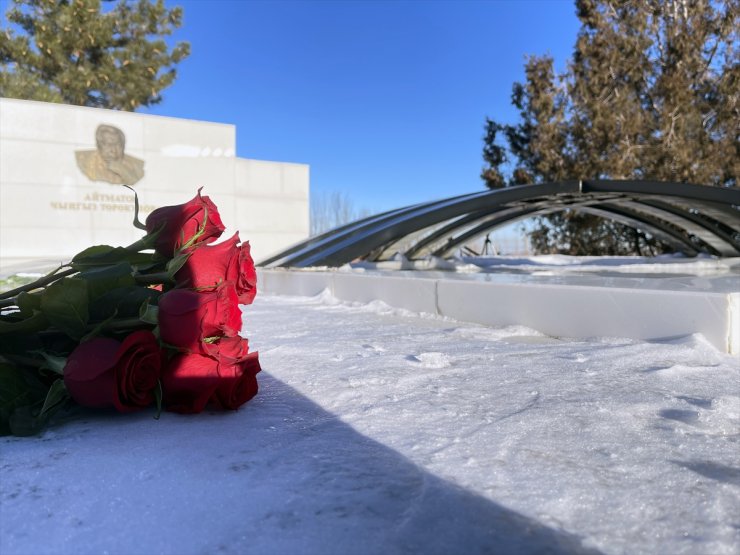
(41, 282)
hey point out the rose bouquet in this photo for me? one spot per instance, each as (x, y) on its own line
(154, 323)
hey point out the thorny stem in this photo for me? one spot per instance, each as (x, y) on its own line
(152, 279)
(56, 275)
(41, 282)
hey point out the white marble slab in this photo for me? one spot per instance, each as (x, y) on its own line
(50, 210)
(648, 308)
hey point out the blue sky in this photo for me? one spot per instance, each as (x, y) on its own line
(385, 100)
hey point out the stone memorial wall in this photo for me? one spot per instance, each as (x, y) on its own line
(63, 170)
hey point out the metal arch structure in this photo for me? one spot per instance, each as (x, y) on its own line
(692, 219)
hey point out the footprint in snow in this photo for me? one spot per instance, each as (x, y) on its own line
(430, 360)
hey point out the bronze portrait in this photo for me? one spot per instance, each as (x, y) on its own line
(108, 162)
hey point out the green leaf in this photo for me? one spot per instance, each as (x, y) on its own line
(53, 362)
(126, 302)
(105, 255)
(23, 422)
(15, 391)
(99, 327)
(148, 266)
(102, 279)
(65, 304)
(20, 344)
(28, 303)
(174, 265)
(150, 239)
(20, 398)
(55, 398)
(97, 255)
(37, 322)
(149, 313)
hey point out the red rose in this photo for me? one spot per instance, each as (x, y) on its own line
(187, 317)
(104, 372)
(238, 383)
(192, 381)
(210, 265)
(181, 223)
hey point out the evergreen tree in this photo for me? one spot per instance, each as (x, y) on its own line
(76, 52)
(651, 92)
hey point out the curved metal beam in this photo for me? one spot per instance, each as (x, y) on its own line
(322, 238)
(719, 227)
(673, 212)
(701, 229)
(635, 220)
(443, 248)
(663, 189)
(654, 227)
(348, 245)
(420, 248)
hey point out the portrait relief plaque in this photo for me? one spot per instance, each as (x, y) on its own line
(108, 161)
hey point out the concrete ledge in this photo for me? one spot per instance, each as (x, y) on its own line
(556, 309)
(416, 295)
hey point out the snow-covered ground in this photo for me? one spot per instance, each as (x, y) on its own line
(380, 431)
(557, 264)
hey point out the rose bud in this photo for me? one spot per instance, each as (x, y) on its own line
(197, 218)
(187, 317)
(104, 372)
(229, 349)
(190, 382)
(210, 265)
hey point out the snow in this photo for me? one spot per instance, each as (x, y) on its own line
(558, 264)
(377, 430)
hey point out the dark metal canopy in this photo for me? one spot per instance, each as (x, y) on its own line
(692, 219)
